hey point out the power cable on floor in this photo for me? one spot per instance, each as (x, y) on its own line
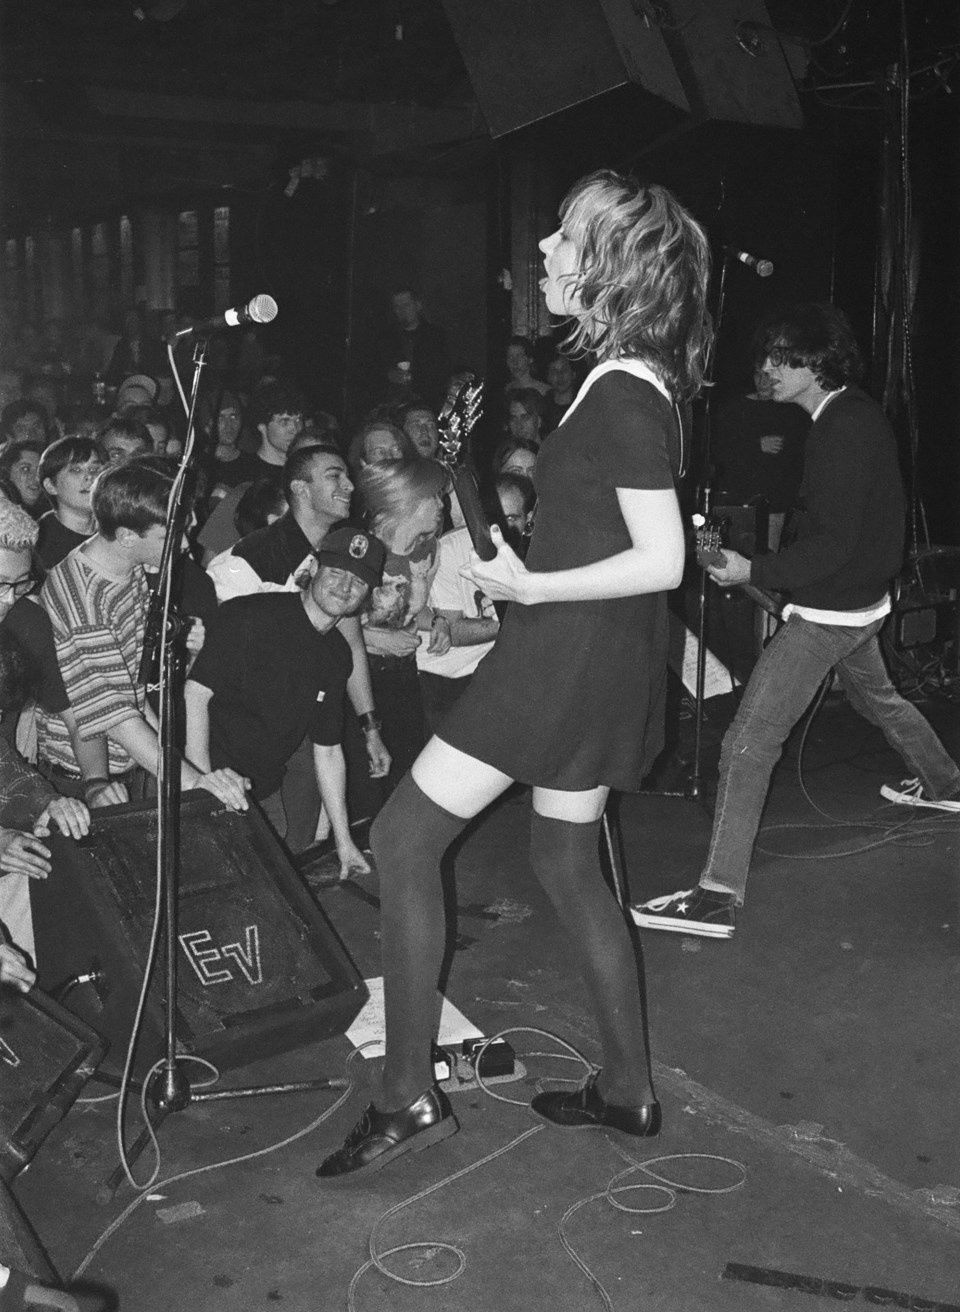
(148, 1191)
(662, 1184)
(669, 1188)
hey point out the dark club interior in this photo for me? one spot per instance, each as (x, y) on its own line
(280, 285)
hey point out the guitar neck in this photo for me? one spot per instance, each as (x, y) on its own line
(468, 494)
(766, 600)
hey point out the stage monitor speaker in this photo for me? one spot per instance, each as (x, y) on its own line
(732, 64)
(528, 59)
(46, 1056)
(531, 59)
(21, 1250)
(260, 969)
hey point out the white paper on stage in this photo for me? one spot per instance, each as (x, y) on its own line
(369, 1025)
(682, 655)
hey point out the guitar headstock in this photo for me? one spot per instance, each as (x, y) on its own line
(461, 411)
(708, 538)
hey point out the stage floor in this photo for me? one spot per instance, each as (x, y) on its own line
(818, 1048)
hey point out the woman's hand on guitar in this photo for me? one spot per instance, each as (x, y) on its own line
(735, 569)
(505, 578)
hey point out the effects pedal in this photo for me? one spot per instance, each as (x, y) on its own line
(497, 1059)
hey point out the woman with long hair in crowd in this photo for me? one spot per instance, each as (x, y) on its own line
(403, 505)
(571, 699)
(20, 476)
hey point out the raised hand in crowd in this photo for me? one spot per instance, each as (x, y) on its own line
(14, 969)
(69, 815)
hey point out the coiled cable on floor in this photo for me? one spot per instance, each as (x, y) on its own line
(669, 1189)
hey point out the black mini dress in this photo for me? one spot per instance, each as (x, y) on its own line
(572, 694)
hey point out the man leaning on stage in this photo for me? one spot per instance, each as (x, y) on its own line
(97, 599)
(275, 664)
(847, 547)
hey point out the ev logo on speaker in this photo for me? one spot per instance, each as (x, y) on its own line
(7, 1054)
(203, 956)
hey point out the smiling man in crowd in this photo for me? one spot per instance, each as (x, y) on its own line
(275, 663)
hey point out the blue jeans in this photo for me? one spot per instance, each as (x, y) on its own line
(780, 689)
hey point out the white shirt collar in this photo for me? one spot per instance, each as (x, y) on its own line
(824, 403)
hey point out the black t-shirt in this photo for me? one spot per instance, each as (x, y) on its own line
(198, 596)
(30, 623)
(56, 540)
(194, 592)
(246, 468)
(274, 678)
(747, 472)
(275, 552)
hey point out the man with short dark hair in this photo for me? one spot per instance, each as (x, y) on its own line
(97, 599)
(414, 341)
(419, 423)
(274, 665)
(318, 489)
(847, 546)
(278, 413)
(123, 438)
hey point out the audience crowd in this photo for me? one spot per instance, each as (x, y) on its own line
(326, 627)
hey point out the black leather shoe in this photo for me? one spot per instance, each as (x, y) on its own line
(586, 1109)
(379, 1137)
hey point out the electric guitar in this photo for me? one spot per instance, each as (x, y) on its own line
(456, 420)
(708, 534)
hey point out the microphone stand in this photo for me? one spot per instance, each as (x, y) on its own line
(170, 1086)
(694, 790)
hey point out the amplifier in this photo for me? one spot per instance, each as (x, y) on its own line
(925, 628)
(743, 528)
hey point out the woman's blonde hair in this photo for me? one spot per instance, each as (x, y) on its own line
(395, 489)
(644, 274)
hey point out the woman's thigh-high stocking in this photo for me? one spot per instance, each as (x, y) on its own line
(408, 839)
(566, 860)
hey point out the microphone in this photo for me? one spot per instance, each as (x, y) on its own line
(762, 268)
(261, 309)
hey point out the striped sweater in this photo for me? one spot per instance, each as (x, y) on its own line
(98, 623)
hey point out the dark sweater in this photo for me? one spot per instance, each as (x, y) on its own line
(848, 543)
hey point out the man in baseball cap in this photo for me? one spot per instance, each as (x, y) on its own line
(273, 668)
(351, 548)
(135, 390)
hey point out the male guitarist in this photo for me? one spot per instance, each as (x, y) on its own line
(847, 547)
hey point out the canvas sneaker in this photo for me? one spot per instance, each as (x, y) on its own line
(910, 793)
(697, 911)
